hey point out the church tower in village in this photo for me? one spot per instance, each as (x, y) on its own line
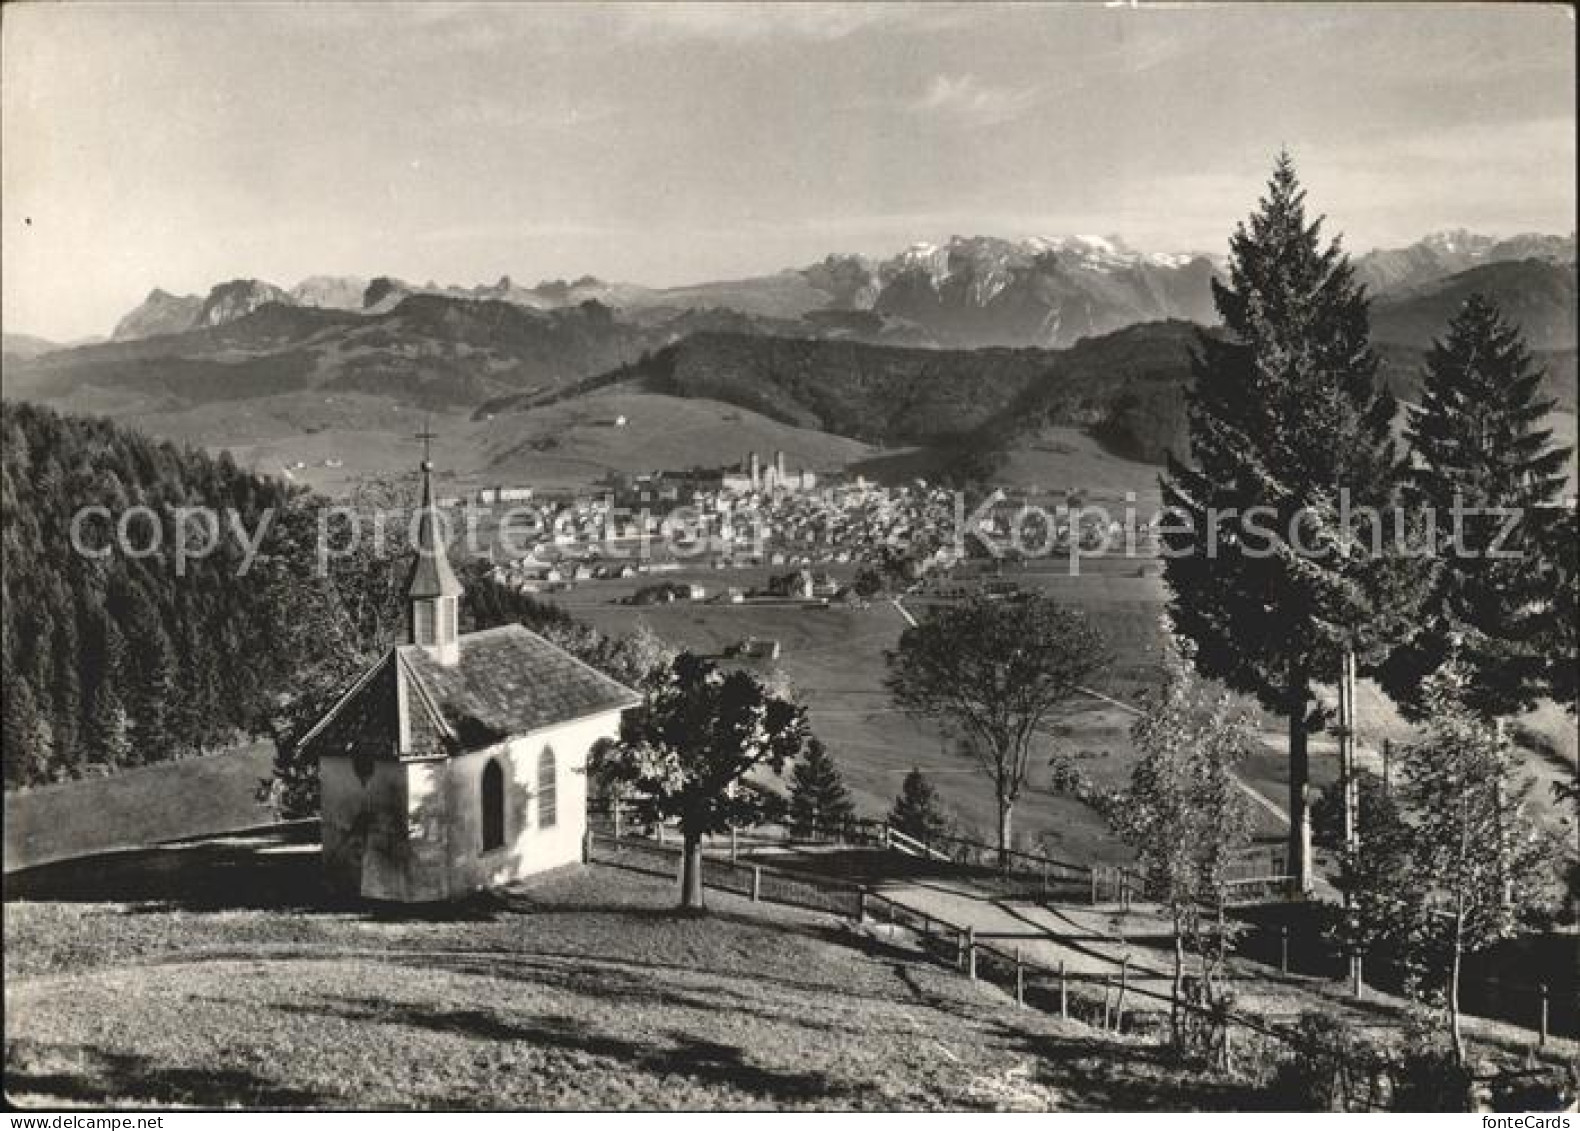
(432, 590)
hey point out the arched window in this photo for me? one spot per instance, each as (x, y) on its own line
(548, 783)
(493, 806)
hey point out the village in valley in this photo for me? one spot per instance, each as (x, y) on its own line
(1056, 673)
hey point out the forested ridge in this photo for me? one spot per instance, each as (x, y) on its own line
(120, 660)
(115, 660)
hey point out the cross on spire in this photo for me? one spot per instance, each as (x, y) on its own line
(427, 436)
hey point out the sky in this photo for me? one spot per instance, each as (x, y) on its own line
(182, 145)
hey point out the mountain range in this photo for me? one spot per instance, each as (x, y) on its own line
(934, 342)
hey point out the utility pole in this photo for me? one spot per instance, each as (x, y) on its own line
(1349, 786)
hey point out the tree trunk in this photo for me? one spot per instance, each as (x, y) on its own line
(1453, 1007)
(1175, 1005)
(1299, 851)
(691, 875)
(1006, 811)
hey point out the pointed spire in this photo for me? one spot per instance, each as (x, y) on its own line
(432, 590)
(431, 575)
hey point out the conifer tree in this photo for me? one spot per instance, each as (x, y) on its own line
(917, 811)
(1292, 473)
(1485, 478)
(820, 805)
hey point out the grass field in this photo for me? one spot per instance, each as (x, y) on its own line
(581, 990)
(147, 805)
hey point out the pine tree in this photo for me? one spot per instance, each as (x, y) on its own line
(1289, 433)
(820, 805)
(1479, 448)
(917, 811)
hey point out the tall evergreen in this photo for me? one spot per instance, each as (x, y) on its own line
(1286, 421)
(917, 811)
(820, 805)
(1478, 447)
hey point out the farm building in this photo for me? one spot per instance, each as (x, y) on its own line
(457, 762)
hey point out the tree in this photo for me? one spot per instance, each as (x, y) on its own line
(1472, 865)
(1185, 815)
(917, 811)
(996, 670)
(686, 751)
(1270, 543)
(820, 805)
(1481, 458)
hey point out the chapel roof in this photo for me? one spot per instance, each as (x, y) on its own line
(505, 683)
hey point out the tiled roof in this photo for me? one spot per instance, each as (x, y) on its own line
(507, 682)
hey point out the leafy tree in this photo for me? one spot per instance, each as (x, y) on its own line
(1270, 550)
(996, 670)
(820, 805)
(684, 754)
(1465, 864)
(1375, 810)
(917, 811)
(1481, 457)
(1185, 815)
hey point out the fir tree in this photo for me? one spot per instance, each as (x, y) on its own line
(1483, 463)
(820, 805)
(917, 811)
(1289, 435)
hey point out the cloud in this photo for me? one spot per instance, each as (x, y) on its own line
(818, 22)
(967, 100)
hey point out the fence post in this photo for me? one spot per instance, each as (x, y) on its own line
(1045, 881)
(1108, 985)
(971, 953)
(960, 951)
(1020, 981)
(757, 883)
(1064, 993)
(587, 846)
(861, 904)
(927, 926)
(1542, 1040)
(733, 845)
(1124, 987)
(1094, 885)
(1283, 949)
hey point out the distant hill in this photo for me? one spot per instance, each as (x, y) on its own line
(25, 347)
(427, 351)
(1537, 294)
(881, 394)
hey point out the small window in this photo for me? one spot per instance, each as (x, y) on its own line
(548, 783)
(493, 806)
(422, 622)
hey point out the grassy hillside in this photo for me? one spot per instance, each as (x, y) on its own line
(147, 805)
(580, 991)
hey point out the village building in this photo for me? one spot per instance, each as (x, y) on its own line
(457, 761)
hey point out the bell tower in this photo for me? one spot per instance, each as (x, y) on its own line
(432, 590)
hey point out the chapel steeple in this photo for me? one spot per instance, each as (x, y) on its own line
(432, 590)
